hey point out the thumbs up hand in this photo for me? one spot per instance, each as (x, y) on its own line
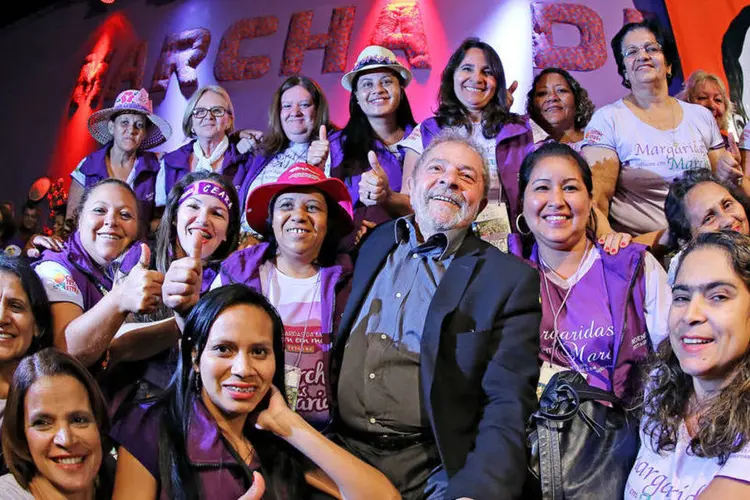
(317, 154)
(140, 291)
(184, 278)
(374, 188)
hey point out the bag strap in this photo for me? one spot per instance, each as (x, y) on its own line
(550, 461)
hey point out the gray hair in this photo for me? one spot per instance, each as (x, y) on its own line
(459, 136)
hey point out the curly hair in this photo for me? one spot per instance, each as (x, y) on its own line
(724, 419)
(451, 113)
(675, 207)
(668, 47)
(584, 107)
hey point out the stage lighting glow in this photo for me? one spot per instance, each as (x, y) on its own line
(508, 30)
(108, 2)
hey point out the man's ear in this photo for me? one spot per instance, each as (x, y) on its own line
(409, 185)
(111, 127)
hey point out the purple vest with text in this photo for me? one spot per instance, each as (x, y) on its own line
(514, 142)
(94, 167)
(625, 286)
(93, 281)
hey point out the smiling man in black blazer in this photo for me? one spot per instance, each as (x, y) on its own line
(435, 364)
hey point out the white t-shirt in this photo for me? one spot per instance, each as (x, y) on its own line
(11, 490)
(59, 283)
(679, 474)
(744, 142)
(658, 293)
(650, 159)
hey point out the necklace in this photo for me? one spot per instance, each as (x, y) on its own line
(316, 293)
(556, 314)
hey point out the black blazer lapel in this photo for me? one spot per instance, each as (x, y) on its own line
(370, 260)
(447, 296)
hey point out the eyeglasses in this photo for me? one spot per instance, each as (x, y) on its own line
(216, 111)
(651, 50)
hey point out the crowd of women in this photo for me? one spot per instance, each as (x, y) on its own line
(178, 345)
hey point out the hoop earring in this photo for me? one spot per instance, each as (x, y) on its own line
(198, 384)
(518, 225)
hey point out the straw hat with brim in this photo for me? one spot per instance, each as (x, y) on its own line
(257, 206)
(373, 57)
(131, 101)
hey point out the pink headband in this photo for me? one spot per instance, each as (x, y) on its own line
(209, 188)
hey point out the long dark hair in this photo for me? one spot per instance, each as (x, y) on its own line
(358, 136)
(675, 207)
(38, 300)
(281, 465)
(47, 363)
(584, 107)
(275, 141)
(451, 113)
(725, 418)
(554, 150)
(166, 235)
(731, 49)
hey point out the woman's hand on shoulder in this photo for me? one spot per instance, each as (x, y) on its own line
(613, 242)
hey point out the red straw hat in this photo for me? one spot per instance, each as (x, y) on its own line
(257, 205)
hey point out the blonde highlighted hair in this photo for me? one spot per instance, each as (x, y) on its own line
(690, 90)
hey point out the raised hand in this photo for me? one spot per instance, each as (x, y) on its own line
(277, 417)
(374, 187)
(140, 291)
(317, 154)
(249, 140)
(184, 278)
(257, 489)
(509, 93)
(728, 169)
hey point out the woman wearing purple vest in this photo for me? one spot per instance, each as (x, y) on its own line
(601, 313)
(302, 217)
(99, 278)
(126, 130)
(473, 99)
(298, 115)
(379, 118)
(208, 121)
(198, 231)
(224, 419)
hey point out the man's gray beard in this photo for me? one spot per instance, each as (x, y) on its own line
(422, 214)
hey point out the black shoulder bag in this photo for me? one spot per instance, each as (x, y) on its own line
(579, 448)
